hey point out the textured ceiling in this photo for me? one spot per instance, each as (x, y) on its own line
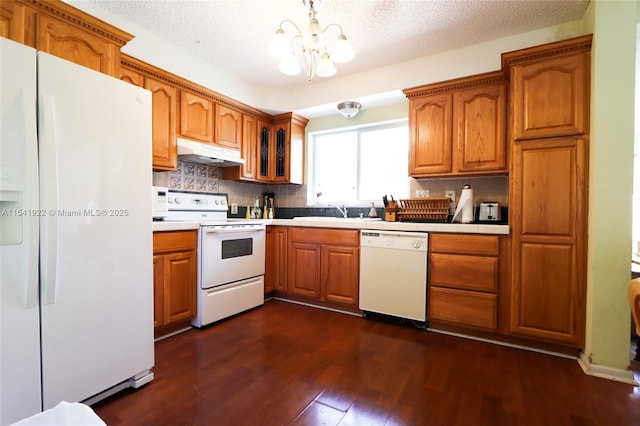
(234, 34)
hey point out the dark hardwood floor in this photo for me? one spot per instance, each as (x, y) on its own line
(284, 364)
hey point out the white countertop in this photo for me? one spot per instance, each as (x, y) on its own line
(167, 225)
(355, 223)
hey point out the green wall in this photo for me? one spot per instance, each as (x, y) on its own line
(613, 24)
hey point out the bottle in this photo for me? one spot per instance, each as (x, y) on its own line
(248, 214)
(256, 208)
(372, 211)
(265, 210)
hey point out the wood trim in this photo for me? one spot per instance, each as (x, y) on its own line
(183, 84)
(554, 49)
(80, 19)
(480, 80)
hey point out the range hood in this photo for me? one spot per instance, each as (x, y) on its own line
(196, 152)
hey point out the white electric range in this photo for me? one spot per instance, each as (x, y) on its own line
(231, 255)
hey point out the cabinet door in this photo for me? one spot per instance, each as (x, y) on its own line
(131, 77)
(164, 116)
(265, 142)
(547, 192)
(479, 118)
(304, 269)
(280, 155)
(179, 291)
(228, 127)
(269, 260)
(73, 44)
(12, 21)
(249, 147)
(340, 274)
(275, 275)
(158, 291)
(280, 271)
(430, 119)
(196, 117)
(549, 97)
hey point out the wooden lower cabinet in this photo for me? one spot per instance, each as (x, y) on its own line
(174, 280)
(275, 278)
(340, 274)
(464, 278)
(549, 240)
(323, 265)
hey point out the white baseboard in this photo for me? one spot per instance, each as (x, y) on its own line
(624, 376)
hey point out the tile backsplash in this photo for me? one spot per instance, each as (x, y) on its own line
(192, 177)
(206, 178)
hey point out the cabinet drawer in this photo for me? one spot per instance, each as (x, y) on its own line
(168, 241)
(464, 272)
(466, 308)
(466, 244)
(324, 235)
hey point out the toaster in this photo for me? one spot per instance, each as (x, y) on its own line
(489, 211)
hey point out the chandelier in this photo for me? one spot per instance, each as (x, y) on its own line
(310, 48)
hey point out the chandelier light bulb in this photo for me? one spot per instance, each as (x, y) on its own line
(342, 51)
(314, 37)
(325, 67)
(279, 44)
(290, 65)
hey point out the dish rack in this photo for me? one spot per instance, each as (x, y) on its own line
(431, 209)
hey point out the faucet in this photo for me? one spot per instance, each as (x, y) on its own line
(342, 209)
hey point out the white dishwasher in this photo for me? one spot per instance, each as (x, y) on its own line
(393, 273)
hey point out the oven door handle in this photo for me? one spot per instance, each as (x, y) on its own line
(230, 230)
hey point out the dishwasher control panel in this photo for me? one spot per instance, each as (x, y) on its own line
(394, 240)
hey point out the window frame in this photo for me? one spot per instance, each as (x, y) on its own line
(312, 199)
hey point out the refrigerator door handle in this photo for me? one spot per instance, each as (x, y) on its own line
(31, 196)
(49, 199)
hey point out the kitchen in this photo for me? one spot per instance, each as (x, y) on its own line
(604, 243)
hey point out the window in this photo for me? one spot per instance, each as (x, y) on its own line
(358, 166)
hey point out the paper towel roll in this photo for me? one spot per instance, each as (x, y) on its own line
(464, 211)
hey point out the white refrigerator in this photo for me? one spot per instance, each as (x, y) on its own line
(76, 267)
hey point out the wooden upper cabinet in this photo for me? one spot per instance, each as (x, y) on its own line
(281, 153)
(479, 117)
(458, 127)
(12, 21)
(64, 31)
(430, 122)
(228, 127)
(164, 118)
(164, 104)
(196, 117)
(132, 77)
(550, 97)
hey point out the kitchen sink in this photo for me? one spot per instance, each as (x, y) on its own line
(339, 219)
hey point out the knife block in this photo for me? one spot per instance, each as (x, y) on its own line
(391, 211)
